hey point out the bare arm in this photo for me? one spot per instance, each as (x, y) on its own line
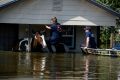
(87, 42)
(48, 27)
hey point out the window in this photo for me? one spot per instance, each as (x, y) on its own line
(69, 36)
(57, 5)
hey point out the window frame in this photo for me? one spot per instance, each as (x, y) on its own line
(67, 35)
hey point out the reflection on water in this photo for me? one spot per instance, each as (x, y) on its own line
(66, 66)
(24, 64)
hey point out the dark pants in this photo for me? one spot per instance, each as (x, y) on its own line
(49, 45)
(58, 47)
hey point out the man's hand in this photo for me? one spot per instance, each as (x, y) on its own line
(85, 47)
(47, 27)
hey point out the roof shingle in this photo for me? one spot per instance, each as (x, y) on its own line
(100, 5)
(6, 2)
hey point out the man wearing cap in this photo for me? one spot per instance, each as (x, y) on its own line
(90, 40)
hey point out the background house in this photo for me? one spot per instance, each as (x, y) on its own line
(18, 19)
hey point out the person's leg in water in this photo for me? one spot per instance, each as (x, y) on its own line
(49, 46)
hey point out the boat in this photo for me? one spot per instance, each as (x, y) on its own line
(87, 50)
(105, 52)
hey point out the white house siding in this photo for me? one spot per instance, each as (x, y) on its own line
(68, 12)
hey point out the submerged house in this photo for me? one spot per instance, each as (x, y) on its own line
(19, 17)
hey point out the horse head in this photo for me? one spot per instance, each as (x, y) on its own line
(39, 40)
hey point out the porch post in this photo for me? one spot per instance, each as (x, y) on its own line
(29, 39)
(98, 36)
(112, 37)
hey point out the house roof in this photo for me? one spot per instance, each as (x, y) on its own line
(6, 2)
(101, 5)
(94, 2)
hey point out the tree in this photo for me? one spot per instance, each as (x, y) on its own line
(106, 32)
(114, 4)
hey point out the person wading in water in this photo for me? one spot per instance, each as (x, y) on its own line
(55, 34)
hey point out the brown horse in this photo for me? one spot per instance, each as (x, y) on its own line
(37, 40)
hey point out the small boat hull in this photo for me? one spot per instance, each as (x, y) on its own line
(87, 50)
(105, 52)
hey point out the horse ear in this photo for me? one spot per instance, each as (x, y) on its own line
(38, 32)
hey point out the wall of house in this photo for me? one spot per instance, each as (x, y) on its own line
(79, 34)
(68, 12)
(23, 31)
(8, 36)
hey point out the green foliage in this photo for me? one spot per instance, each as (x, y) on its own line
(105, 31)
(114, 4)
(105, 34)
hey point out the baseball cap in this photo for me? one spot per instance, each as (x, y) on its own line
(87, 28)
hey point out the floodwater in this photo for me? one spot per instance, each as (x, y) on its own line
(59, 66)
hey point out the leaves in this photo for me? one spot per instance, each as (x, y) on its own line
(105, 31)
(114, 4)
(105, 34)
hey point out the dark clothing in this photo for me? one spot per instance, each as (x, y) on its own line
(55, 35)
(92, 43)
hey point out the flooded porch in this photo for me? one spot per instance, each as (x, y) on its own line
(58, 66)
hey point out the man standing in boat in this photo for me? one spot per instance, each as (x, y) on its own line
(90, 39)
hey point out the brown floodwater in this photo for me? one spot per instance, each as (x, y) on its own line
(58, 66)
